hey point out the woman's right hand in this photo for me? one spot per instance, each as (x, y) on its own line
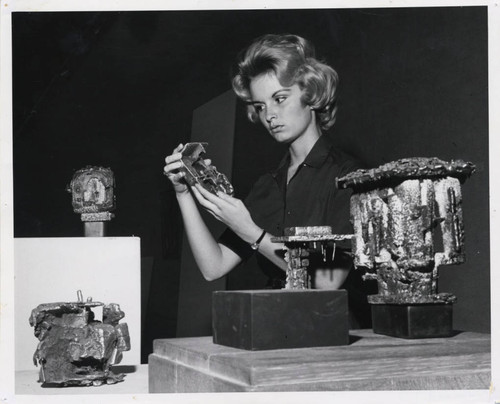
(171, 170)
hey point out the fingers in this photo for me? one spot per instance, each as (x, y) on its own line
(215, 203)
(176, 154)
(235, 202)
(218, 198)
(175, 178)
(171, 167)
(206, 203)
(173, 163)
(226, 197)
(173, 158)
(229, 210)
(207, 194)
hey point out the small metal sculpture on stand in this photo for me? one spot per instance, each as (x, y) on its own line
(300, 316)
(301, 242)
(402, 213)
(92, 190)
(74, 348)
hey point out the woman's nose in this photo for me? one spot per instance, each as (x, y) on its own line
(270, 115)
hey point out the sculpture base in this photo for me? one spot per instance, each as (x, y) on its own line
(413, 321)
(94, 229)
(278, 319)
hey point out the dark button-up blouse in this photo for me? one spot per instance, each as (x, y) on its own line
(311, 198)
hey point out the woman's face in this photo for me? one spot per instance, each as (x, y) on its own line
(280, 109)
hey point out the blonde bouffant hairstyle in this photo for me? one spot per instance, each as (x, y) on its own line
(292, 59)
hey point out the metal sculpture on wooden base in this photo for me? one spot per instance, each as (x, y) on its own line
(407, 219)
(301, 316)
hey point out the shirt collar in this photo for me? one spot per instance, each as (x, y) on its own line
(316, 157)
(319, 152)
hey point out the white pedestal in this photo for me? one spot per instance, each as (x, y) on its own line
(53, 269)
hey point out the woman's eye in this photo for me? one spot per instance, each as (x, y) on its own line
(279, 100)
(259, 108)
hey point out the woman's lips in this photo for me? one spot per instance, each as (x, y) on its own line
(275, 128)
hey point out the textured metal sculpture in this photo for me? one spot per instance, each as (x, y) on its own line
(92, 190)
(74, 348)
(407, 219)
(199, 172)
(301, 243)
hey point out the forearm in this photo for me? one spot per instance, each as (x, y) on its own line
(213, 260)
(274, 252)
(233, 213)
(250, 233)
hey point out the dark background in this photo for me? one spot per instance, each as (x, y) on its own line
(117, 89)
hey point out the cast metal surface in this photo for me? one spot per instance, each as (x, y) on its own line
(300, 243)
(397, 171)
(92, 190)
(407, 219)
(197, 171)
(74, 348)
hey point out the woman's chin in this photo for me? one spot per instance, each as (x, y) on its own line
(281, 138)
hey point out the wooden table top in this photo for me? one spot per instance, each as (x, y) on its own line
(369, 362)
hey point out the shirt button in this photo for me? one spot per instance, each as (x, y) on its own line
(288, 213)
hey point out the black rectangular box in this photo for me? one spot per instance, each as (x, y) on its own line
(278, 319)
(413, 321)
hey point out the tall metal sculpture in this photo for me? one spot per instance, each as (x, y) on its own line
(407, 219)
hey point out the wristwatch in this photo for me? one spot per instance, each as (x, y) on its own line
(255, 246)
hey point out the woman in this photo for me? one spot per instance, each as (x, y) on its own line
(293, 95)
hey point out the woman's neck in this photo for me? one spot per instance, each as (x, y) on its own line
(301, 147)
(299, 150)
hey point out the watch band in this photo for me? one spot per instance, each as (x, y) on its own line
(255, 246)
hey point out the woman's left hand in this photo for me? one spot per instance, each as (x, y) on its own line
(230, 211)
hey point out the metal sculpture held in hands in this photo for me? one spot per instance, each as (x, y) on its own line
(304, 244)
(199, 172)
(407, 219)
(74, 348)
